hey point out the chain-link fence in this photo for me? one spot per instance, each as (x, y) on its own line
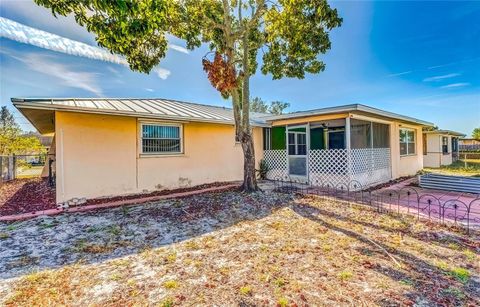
(27, 166)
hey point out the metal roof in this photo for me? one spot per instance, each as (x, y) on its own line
(348, 108)
(447, 132)
(149, 108)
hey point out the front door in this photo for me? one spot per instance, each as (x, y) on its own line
(297, 151)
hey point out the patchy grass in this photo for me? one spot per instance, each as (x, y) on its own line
(459, 168)
(241, 249)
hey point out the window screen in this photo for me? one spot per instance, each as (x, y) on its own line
(381, 135)
(161, 139)
(361, 134)
(365, 134)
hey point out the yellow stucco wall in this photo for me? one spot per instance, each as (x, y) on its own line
(98, 155)
(435, 156)
(405, 165)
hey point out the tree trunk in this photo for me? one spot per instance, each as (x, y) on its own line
(249, 179)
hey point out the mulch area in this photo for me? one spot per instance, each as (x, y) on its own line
(103, 200)
(26, 195)
(34, 194)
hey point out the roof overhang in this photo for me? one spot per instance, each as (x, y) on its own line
(445, 132)
(359, 108)
(41, 113)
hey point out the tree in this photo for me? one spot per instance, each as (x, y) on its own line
(12, 140)
(289, 34)
(277, 107)
(260, 106)
(476, 134)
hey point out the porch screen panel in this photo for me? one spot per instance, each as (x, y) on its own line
(360, 132)
(381, 135)
(279, 138)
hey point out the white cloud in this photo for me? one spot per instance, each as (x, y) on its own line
(40, 17)
(454, 85)
(401, 73)
(178, 48)
(439, 78)
(66, 76)
(162, 73)
(28, 35)
(149, 90)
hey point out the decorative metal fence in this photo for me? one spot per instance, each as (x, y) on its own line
(369, 166)
(406, 200)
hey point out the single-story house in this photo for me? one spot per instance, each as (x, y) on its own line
(469, 141)
(107, 147)
(440, 147)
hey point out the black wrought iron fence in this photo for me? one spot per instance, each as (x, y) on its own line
(407, 200)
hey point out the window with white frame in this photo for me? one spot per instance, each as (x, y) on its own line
(445, 145)
(162, 138)
(407, 142)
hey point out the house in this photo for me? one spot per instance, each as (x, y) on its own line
(106, 147)
(469, 141)
(440, 147)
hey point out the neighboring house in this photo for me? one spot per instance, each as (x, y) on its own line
(469, 141)
(107, 147)
(466, 144)
(440, 147)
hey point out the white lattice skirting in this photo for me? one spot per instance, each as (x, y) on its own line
(335, 167)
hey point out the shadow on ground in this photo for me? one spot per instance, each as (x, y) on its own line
(389, 245)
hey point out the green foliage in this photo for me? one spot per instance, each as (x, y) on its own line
(12, 139)
(171, 284)
(282, 302)
(345, 275)
(246, 290)
(476, 134)
(262, 169)
(277, 107)
(291, 35)
(260, 106)
(461, 274)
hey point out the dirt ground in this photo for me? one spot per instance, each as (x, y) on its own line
(231, 248)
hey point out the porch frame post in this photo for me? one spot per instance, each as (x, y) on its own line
(307, 128)
(348, 147)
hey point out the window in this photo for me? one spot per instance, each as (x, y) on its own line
(161, 138)
(407, 142)
(267, 138)
(297, 143)
(444, 145)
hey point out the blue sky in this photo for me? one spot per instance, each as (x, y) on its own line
(420, 59)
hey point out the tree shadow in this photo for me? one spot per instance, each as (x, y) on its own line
(49, 242)
(430, 280)
(435, 237)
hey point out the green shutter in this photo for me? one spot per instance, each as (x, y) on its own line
(278, 138)
(317, 138)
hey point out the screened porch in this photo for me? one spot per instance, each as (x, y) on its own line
(329, 152)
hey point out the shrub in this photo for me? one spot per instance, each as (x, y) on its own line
(262, 170)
